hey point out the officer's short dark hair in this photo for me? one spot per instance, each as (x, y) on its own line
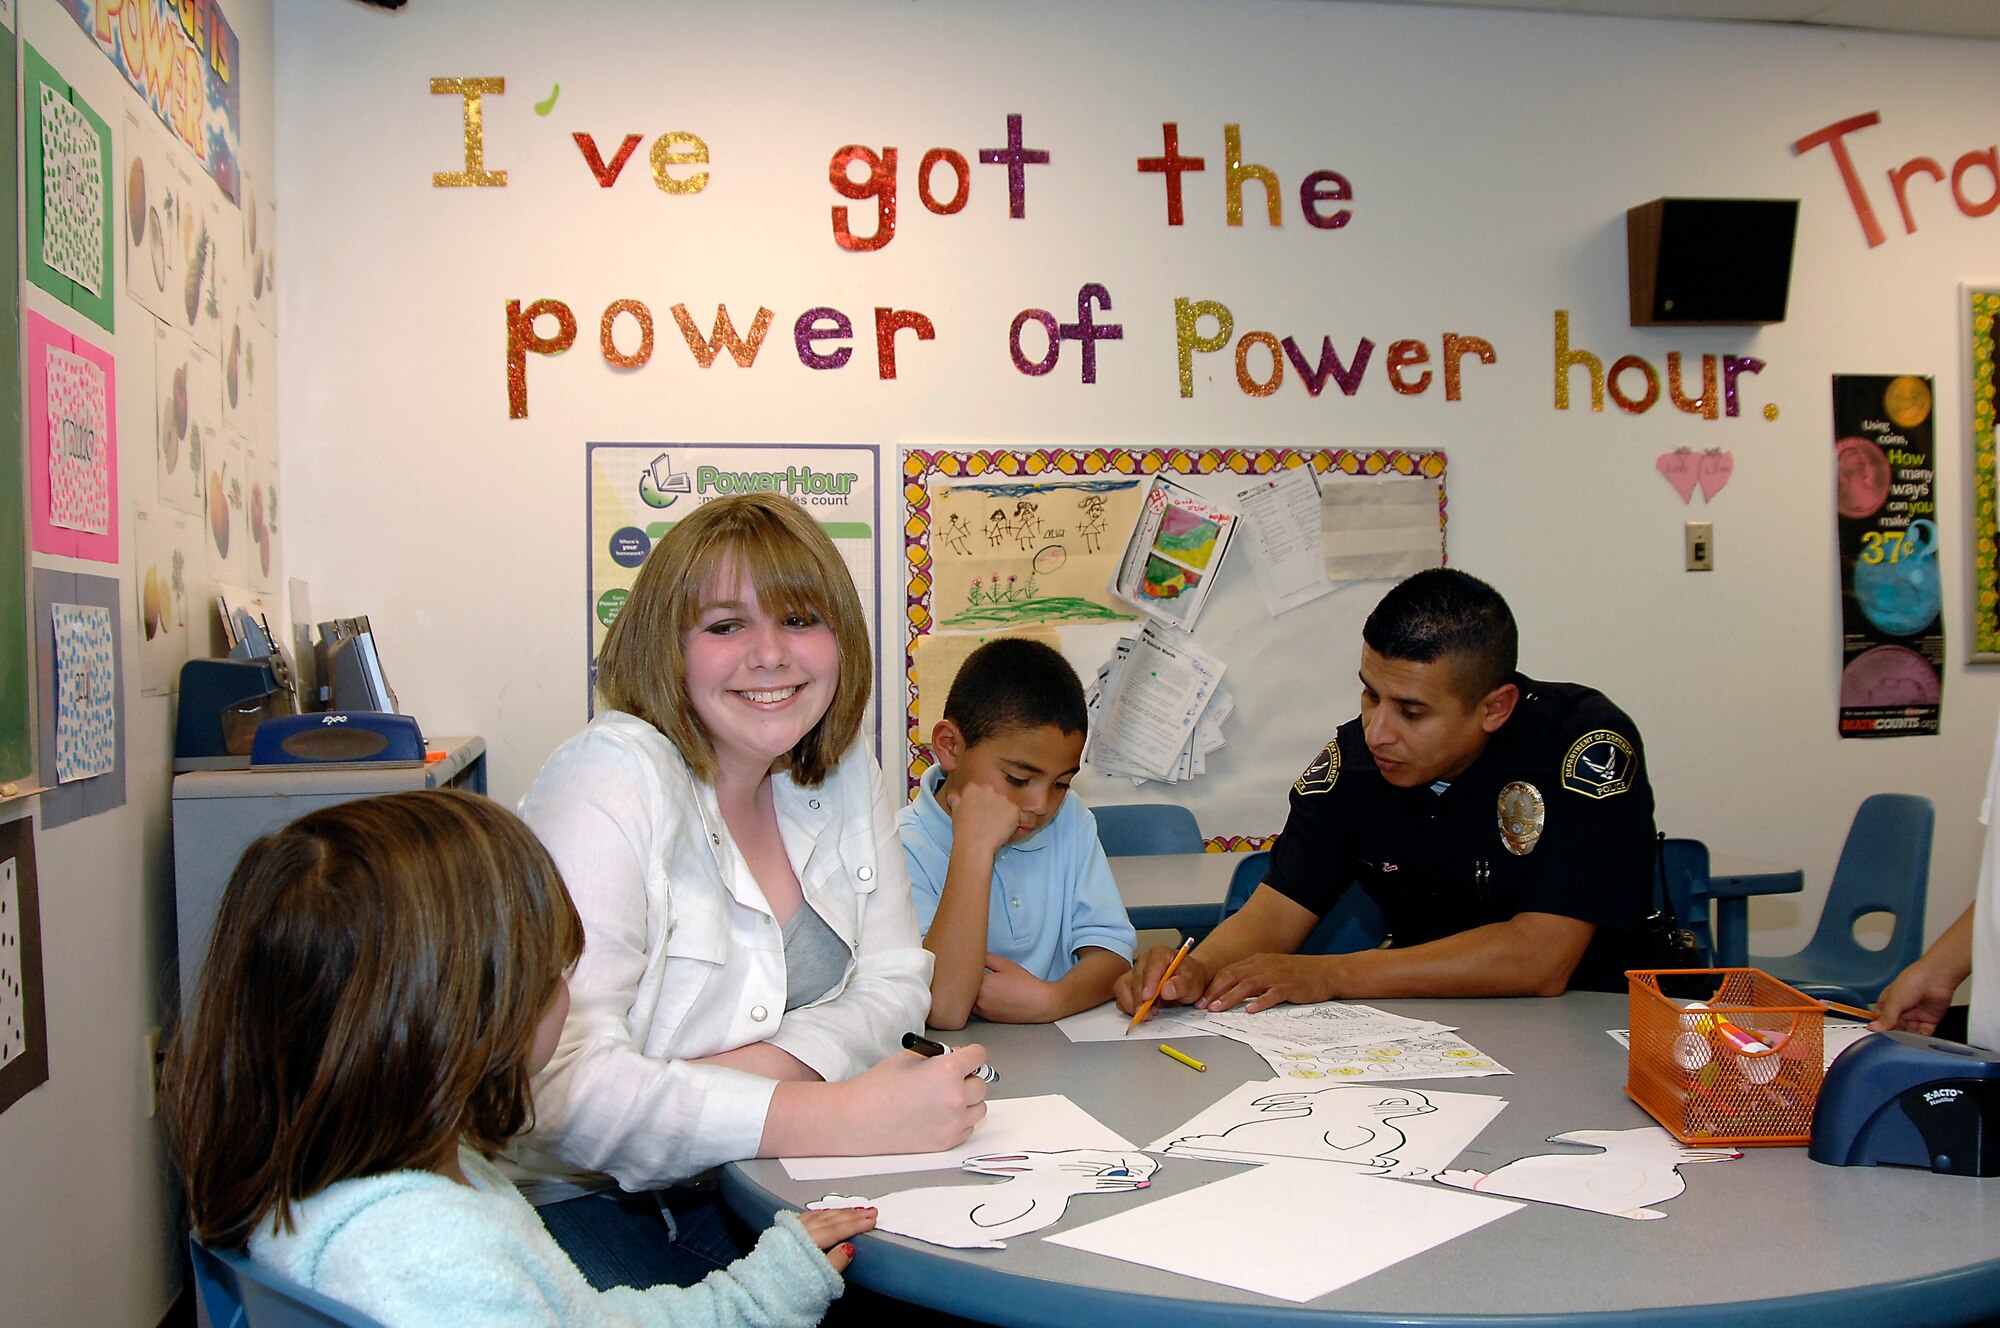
(1010, 684)
(1441, 612)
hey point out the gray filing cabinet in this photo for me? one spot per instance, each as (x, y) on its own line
(217, 813)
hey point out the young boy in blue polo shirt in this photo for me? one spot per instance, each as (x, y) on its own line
(1011, 886)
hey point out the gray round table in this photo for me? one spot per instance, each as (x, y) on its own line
(1773, 1239)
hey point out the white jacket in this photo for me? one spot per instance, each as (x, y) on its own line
(683, 957)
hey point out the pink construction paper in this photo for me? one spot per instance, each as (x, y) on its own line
(42, 334)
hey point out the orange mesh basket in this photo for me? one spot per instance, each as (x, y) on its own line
(1745, 1070)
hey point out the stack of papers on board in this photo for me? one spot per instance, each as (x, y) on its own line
(1157, 707)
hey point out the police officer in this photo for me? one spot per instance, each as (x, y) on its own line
(1504, 825)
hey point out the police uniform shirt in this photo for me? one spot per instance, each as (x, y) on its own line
(1440, 863)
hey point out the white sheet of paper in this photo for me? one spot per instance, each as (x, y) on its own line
(1151, 705)
(1384, 1129)
(1293, 1259)
(1047, 1123)
(1286, 546)
(983, 1217)
(1107, 1023)
(1839, 1035)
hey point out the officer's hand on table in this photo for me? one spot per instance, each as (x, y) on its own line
(1265, 980)
(1136, 986)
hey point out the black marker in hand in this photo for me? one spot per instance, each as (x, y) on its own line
(923, 1046)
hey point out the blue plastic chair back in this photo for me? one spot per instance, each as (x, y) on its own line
(1884, 867)
(1684, 863)
(1355, 922)
(240, 1294)
(1131, 829)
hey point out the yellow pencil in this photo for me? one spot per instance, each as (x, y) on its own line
(1851, 1011)
(1147, 1008)
(1184, 1058)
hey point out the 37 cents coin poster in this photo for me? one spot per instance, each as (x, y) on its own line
(1892, 642)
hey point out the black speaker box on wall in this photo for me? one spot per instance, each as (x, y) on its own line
(1715, 261)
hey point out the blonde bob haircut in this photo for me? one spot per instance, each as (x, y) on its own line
(794, 567)
(369, 1002)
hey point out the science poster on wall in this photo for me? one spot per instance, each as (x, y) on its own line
(637, 491)
(1892, 643)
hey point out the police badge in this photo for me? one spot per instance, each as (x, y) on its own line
(1521, 814)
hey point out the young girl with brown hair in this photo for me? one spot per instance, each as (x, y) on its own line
(385, 979)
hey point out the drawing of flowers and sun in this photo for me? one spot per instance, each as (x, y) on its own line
(1009, 551)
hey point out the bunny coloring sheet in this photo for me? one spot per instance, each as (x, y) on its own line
(1387, 1130)
(1036, 1192)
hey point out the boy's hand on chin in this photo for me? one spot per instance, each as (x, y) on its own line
(982, 817)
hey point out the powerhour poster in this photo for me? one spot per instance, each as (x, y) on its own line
(637, 491)
(1892, 643)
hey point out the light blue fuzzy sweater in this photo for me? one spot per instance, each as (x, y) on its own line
(418, 1250)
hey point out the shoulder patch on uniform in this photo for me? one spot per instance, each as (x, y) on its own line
(1320, 775)
(1600, 764)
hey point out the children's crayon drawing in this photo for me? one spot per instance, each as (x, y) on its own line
(1174, 550)
(1011, 552)
(1038, 1188)
(1399, 1132)
(1634, 1169)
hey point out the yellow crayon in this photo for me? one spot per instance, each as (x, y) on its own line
(1184, 1058)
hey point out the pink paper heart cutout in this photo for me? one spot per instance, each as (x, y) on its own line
(1680, 467)
(1716, 468)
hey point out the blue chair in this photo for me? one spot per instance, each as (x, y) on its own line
(1132, 829)
(1355, 922)
(1884, 867)
(239, 1294)
(1684, 864)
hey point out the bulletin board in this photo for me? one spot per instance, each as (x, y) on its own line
(1983, 306)
(1240, 803)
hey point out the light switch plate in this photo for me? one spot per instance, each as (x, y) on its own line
(1701, 546)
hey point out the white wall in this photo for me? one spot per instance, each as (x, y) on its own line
(85, 1236)
(1492, 155)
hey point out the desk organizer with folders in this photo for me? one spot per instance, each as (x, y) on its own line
(1742, 1067)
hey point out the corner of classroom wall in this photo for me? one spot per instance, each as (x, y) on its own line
(90, 1232)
